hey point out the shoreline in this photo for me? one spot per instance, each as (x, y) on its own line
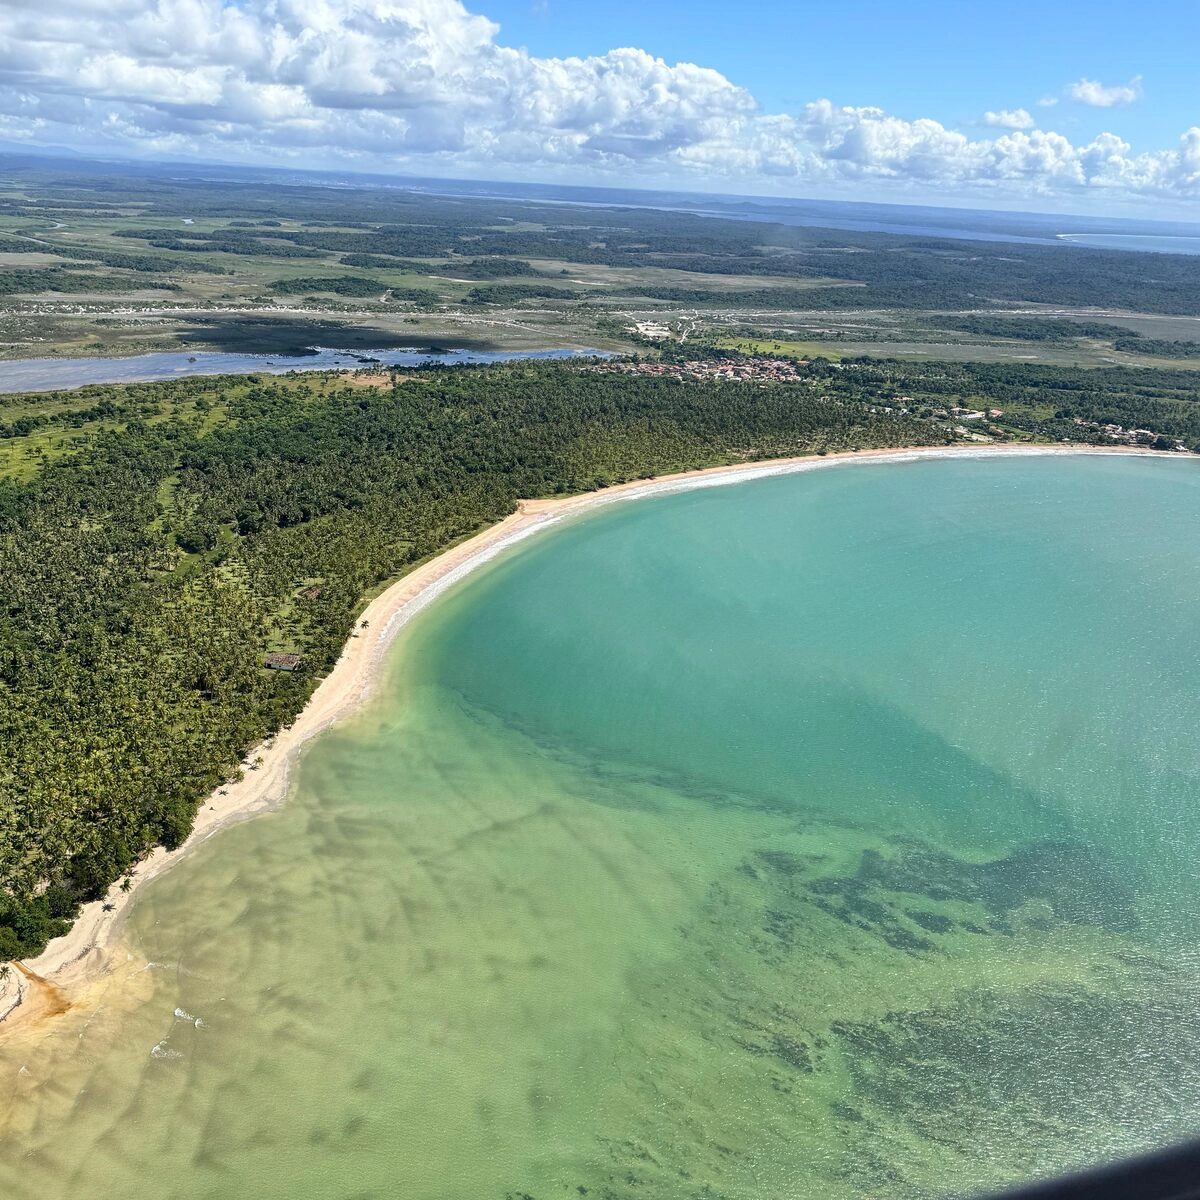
(42, 988)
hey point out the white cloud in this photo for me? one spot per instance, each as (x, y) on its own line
(426, 85)
(1010, 118)
(1102, 95)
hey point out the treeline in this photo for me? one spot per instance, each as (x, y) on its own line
(1029, 329)
(55, 279)
(1155, 347)
(339, 285)
(1063, 329)
(778, 299)
(359, 286)
(147, 574)
(129, 262)
(476, 268)
(382, 261)
(517, 293)
(489, 268)
(364, 287)
(150, 263)
(223, 241)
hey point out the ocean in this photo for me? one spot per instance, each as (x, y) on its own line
(827, 835)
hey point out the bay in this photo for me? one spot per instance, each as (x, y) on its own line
(828, 835)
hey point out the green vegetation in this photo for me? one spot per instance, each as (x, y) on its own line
(22, 426)
(339, 285)
(122, 260)
(1047, 403)
(53, 279)
(353, 285)
(517, 293)
(493, 268)
(1156, 347)
(149, 568)
(225, 241)
(368, 252)
(1029, 329)
(157, 541)
(1062, 329)
(382, 261)
(778, 298)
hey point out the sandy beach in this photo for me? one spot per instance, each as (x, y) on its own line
(65, 975)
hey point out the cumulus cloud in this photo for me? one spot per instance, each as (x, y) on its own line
(429, 85)
(1010, 118)
(1105, 95)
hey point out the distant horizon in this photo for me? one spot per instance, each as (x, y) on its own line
(1039, 108)
(413, 180)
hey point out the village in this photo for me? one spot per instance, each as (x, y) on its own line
(1133, 437)
(714, 370)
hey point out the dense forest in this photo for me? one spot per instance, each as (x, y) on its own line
(148, 571)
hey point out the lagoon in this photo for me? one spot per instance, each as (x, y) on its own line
(829, 835)
(53, 374)
(1146, 243)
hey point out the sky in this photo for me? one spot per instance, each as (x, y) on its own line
(1060, 105)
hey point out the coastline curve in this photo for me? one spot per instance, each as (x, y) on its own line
(65, 974)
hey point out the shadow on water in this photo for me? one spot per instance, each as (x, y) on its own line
(295, 338)
(840, 754)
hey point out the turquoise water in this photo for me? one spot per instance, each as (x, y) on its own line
(824, 836)
(952, 646)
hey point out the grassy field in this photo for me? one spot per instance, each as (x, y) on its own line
(914, 336)
(776, 346)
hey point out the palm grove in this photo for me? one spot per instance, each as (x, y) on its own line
(150, 565)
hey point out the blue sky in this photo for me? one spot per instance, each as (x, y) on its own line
(1056, 105)
(952, 61)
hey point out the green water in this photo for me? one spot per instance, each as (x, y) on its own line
(826, 836)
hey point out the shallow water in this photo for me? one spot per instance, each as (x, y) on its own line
(50, 374)
(824, 836)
